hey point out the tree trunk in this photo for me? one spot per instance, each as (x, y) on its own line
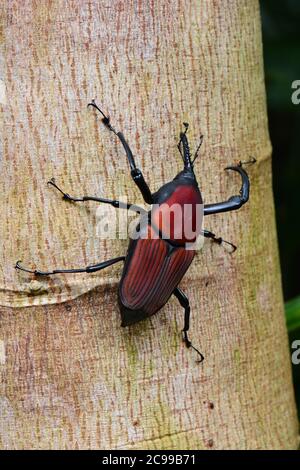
(71, 377)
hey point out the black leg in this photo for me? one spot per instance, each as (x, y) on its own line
(136, 173)
(89, 269)
(219, 240)
(114, 203)
(234, 202)
(184, 302)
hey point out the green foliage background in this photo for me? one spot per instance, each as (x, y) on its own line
(281, 39)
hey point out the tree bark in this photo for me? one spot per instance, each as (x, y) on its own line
(71, 377)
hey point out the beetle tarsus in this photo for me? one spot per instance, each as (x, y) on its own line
(188, 344)
(26, 270)
(233, 247)
(66, 196)
(52, 182)
(218, 240)
(17, 265)
(20, 268)
(105, 119)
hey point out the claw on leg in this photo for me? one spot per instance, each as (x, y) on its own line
(220, 241)
(31, 271)
(189, 345)
(105, 119)
(66, 196)
(52, 182)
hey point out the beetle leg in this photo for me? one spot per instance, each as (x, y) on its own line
(184, 302)
(89, 269)
(234, 202)
(136, 173)
(219, 240)
(114, 203)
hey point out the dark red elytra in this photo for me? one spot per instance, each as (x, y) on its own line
(150, 264)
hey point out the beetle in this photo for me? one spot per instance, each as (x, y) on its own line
(155, 263)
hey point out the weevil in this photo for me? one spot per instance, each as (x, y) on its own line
(155, 263)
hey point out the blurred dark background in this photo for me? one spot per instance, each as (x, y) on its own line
(281, 40)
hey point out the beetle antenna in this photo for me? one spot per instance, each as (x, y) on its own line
(198, 148)
(186, 125)
(105, 119)
(184, 148)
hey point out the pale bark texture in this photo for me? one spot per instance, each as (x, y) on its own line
(71, 377)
